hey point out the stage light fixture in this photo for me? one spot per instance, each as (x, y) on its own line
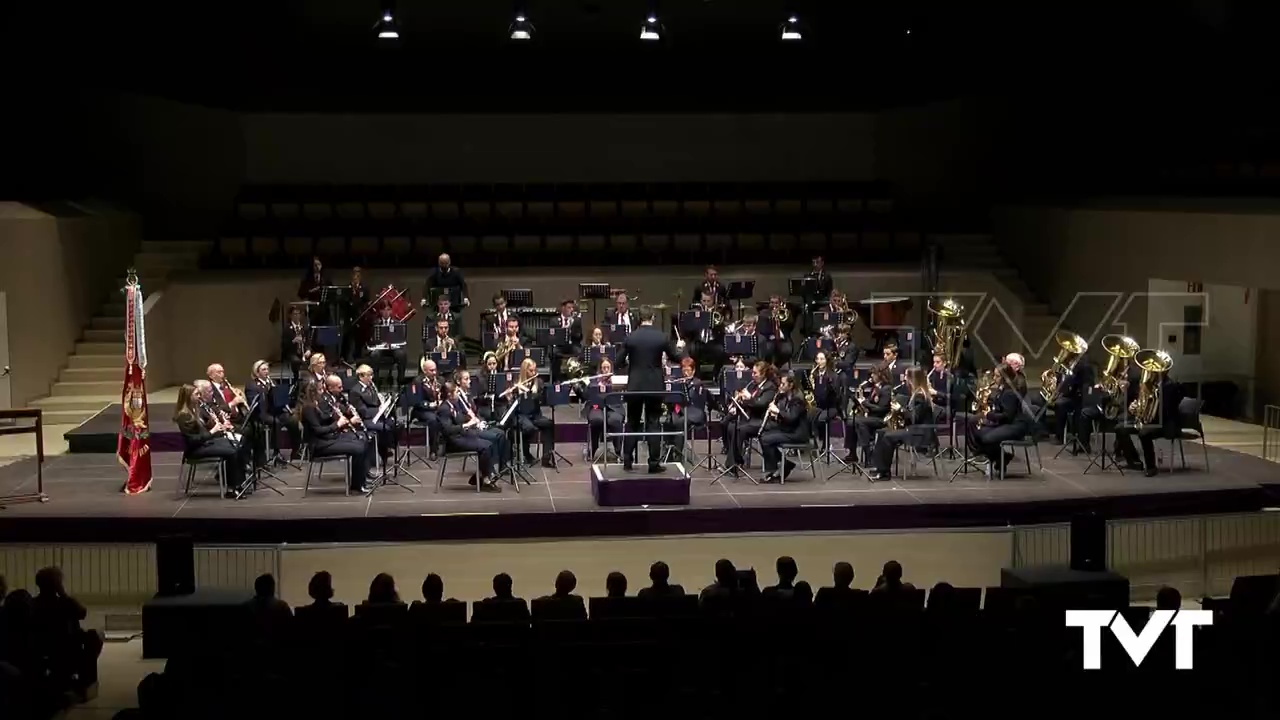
(387, 27)
(651, 30)
(521, 29)
(790, 30)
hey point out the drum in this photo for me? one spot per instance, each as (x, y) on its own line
(886, 313)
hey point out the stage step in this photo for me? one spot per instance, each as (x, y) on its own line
(93, 374)
(103, 336)
(113, 309)
(101, 348)
(67, 417)
(87, 388)
(103, 322)
(86, 362)
(81, 403)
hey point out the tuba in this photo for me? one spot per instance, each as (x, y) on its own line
(1114, 381)
(1154, 363)
(1070, 349)
(948, 331)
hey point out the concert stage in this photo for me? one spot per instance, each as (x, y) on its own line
(85, 503)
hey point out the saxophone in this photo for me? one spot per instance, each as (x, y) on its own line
(809, 398)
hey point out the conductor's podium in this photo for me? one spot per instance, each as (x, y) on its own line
(614, 487)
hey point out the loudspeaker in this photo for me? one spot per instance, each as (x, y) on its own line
(175, 565)
(1089, 542)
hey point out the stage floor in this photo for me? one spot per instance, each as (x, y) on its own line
(85, 502)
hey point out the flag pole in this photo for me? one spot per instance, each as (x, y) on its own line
(133, 444)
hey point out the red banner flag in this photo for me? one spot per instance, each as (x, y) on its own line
(133, 447)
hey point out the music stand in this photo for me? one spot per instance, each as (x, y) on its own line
(453, 293)
(514, 358)
(551, 337)
(393, 337)
(516, 469)
(617, 334)
(494, 385)
(255, 478)
(407, 403)
(674, 373)
(557, 395)
(488, 341)
(731, 381)
(740, 290)
(446, 362)
(804, 288)
(814, 345)
(593, 292)
(277, 405)
(950, 452)
(591, 355)
(968, 462)
(518, 297)
(539, 355)
(743, 346)
(326, 336)
(823, 318)
(693, 323)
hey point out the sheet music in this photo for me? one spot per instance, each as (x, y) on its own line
(382, 409)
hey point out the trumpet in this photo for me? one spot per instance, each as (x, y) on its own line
(446, 345)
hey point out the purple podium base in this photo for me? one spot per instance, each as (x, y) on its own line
(639, 488)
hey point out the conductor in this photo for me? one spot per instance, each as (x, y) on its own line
(641, 354)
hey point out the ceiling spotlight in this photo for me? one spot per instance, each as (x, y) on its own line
(790, 29)
(651, 30)
(387, 27)
(521, 29)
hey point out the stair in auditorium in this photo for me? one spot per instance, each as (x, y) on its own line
(980, 252)
(92, 376)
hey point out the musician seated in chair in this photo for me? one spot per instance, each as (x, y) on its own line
(462, 432)
(826, 397)
(1006, 419)
(513, 338)
(269, 420)
(1164, 422)
(366, 401)
(694, 406)
(1102, 410)
(786, 422)
(205, 435)
(385, 354)
(776, 328)
(707, 346)
(1069, 399)
(442, 342)
(744, 413)
(917, 430)
(946, 390)
(295, 341)
(603, 410)
(873, 399)
(427, 399)
(569, 321)
(330, 432)
(227, 398)
(528, 419)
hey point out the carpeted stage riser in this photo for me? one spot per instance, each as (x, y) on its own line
(567, 432)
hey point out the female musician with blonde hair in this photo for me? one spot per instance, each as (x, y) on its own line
(529, 420)
(745, 413)
(205, 436)
(603, 410)
(268, 420)
(919, 431)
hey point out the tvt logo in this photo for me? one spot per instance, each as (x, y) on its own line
(1138, 645)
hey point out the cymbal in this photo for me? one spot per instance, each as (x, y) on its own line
(304, 302)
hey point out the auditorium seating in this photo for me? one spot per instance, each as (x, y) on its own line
(748, 654)
(582, 224)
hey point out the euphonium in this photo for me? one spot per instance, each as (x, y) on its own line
(1114, 379)
(948, 331)
(895, 419)
(571, 368)
(1154, 363)
(1070, 349)
(784, 315)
